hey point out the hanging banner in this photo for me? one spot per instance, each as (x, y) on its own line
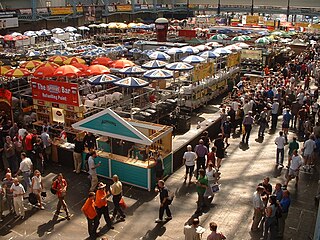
(57, 115)
(124, 8)
(61, 10)
(56, 92)
(202, 71)
(251, 19)
(253, 54)
(233, 59)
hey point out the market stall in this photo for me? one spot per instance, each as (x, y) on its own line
(129, 148)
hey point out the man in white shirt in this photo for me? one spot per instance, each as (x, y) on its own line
(25, 169)
(296, 163)
(280, 142)
(274, 114)
(191, 231)
(189, 158)
(92, 171)
(308, 148)
(258, 208)
(18, 191)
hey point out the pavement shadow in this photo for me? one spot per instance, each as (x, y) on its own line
(277, 171)
(48, 227)
(156, 232)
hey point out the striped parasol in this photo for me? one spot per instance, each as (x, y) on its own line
(57, 59)
(17, 72)
(131, 82)
(154, 64)
(132, 70)
(158, 74)
(103, 79)
(179, 66)
(30, 64)
(74, 60)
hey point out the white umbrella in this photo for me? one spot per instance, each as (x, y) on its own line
(103, 25)
(222, 51)
(208, 54)
(30, 34)
(233, 47)
(190, 50)
(173, 51)
(70, 29)
(131, 82)
(57, 30)
(154, 64)
(15, 34)
(158, 74)
(132, 70)
(84, 28)
(159, 56)
(179, 66)
(193, 59)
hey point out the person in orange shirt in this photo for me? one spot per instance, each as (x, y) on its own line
(90, 212)
(102, 204)
(266, 70)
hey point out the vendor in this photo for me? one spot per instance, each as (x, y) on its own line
(137, 151)
(89, 141)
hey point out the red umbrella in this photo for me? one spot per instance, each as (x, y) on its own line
(102, 61)
(9, 38)
(122, 63)
(98, 69)
(66, 71)
(49, 64)
(45, 71)
(80, 66)
(17, 72)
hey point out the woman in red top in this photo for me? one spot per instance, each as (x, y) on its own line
(90, 212)
(60, 185)
(211, 157)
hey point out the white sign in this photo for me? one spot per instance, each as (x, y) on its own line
(57, 115)
(9, 23)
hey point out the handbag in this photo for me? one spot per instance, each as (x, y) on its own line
(52, 189)
(170, 197)
(215, 187)
(33, 198)
(122, 203)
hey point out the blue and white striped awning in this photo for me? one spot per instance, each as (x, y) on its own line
(159, 56)
(193, 59)
(179, 66)
(131, 82)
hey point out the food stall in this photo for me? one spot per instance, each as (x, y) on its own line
(129, 148)
(58, 104)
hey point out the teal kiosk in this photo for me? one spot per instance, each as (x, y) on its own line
(130, 148)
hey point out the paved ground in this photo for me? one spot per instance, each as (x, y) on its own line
(241, 171)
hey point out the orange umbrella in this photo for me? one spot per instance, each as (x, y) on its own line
(9, 38)
(97, 69)
(122, 63)
(4, 69)
(74, 60)
(80, 66)
(17, 72)
(57, 59)
(45, 71)
(49, 64)
(102, 61)
(30, 64)
(67, 71)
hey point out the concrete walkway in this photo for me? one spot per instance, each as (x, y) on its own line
(231, 208)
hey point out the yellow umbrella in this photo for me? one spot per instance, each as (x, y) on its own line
(17, 72)
(30, 64)
(4, 69)
(57, 59)
(73, 60)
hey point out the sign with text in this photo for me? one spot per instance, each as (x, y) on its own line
(253, 54)
(55, 92)
(202, 71)
(61, 10)
(124, 8)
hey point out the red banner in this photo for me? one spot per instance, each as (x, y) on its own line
(5, 95)
(55, 92)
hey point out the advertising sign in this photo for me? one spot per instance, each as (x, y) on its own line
(253, 54)
(25, 11)
(61, 10)
(124, 8)
(202, 71)
(42, 10)
(9, 22)
(111, 8)
(56, 92)
(233, 59)
(252, 19)
(57, 115)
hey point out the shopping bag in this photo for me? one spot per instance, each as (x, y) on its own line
(215, 188)
(122, 204)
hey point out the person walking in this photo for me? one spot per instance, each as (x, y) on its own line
(284, 205)
(37, 187)
(164, 202)
(18, 191)
(101, 203)
(189, 158)
(92, 171)
(292, 146)
(26, 169)
(202, 184)
(220, 150)
(308, 149)
(9, 152)
(116, 191)
(60, 186)
(258, 207)
(77, 154)
(263, 122)
(247, 123)
(90, 212)
(227, 129)
(47, 142)
(294, 168)
(202, 151)
(38, 154)
(2, 194)
(7, 183)
(274, 114)
(280, 141)
(214, 235)
(194, 231)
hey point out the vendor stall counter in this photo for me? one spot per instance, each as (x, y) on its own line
(134, 150)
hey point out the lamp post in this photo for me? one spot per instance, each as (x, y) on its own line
(252, 3)
(288, 10)
(219, 7)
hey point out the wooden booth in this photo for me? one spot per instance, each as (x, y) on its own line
(129, 148)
